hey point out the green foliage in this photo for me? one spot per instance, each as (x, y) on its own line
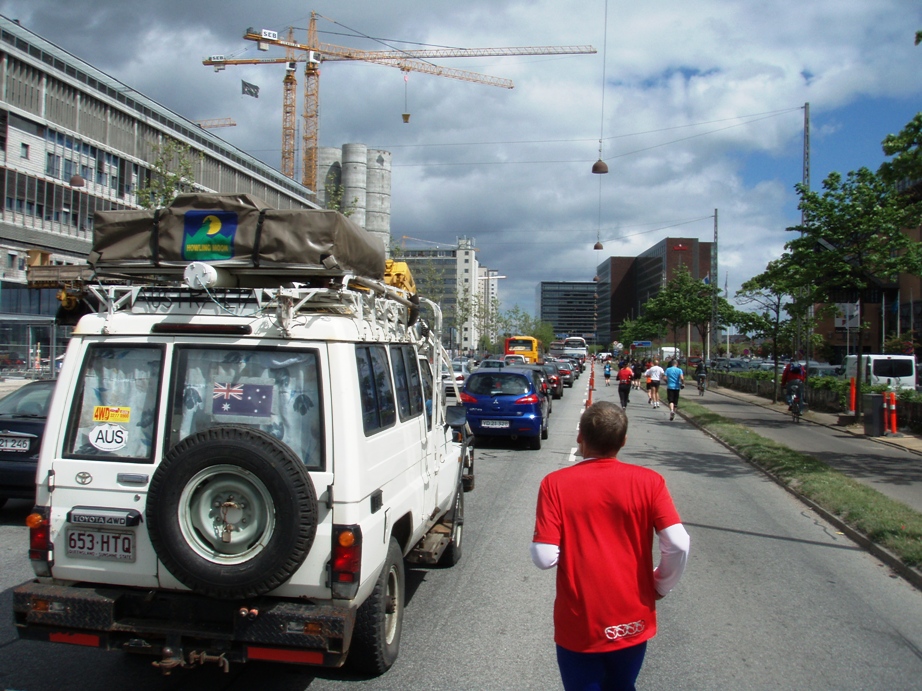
(335, 200)
(851, 238)
(903, 344)
(172, 173)
(906, 148)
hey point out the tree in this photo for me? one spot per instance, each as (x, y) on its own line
(906, 149)
(687, 301)
(172, 173)
(772, 293)
(851, 239)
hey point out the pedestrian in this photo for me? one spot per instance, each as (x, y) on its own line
(605, 607)
(625, 378)
(675, 381)
(654, 375)
(606, 372)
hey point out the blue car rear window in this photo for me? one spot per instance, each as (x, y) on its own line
(498, 383)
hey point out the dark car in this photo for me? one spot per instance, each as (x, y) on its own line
(501, 403)
(22, 422)
(553, 379)
(576, 367)
(566, 373)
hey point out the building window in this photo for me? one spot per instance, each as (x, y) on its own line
(24, 150)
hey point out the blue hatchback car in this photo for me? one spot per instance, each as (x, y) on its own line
(506, 403)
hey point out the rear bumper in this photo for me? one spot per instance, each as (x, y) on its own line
(178, 626)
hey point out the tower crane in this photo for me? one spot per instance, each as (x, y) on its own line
(289, 96)
(314, 53)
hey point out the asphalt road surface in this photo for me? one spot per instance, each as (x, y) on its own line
(773, 597)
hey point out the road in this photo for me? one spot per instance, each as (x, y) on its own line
(773, 597)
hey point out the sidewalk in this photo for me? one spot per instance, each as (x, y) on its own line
(903, 440)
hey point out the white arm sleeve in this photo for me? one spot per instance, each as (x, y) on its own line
(674, 543)
(544, 555)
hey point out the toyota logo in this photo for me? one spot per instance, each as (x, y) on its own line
(83, 478)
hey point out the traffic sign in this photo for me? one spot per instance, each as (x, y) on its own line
(643, 344)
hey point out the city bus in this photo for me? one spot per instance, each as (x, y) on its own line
(575, 346)
(528, 346)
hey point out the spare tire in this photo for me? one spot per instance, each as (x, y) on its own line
(231, 512)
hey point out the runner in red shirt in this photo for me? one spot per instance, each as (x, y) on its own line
(595, 522)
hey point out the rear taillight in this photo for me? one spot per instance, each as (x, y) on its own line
(346, 562)
(467, 398)
(530, 399)
(41, 549)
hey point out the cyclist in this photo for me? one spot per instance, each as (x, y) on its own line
(701, 376)
(793, 377)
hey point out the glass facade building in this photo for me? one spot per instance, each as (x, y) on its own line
(570, 306)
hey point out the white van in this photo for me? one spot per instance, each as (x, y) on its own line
(240, 473)
(894, 371)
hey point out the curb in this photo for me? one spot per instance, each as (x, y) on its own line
(911, 575)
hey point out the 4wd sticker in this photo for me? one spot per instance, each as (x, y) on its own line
(105, 413)
(108, 437)
(208, 235)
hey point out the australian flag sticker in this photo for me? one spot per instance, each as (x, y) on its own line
(242, 400)
(208, 235)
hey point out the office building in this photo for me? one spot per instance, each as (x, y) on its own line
(626, 283)
(570, 306)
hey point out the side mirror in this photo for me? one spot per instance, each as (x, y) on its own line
(456, 415)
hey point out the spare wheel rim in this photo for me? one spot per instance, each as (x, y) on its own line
(224, 499)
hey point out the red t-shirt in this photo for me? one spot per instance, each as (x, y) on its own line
(625, 375)
(602, 514)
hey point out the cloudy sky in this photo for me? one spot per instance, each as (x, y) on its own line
(702, 110)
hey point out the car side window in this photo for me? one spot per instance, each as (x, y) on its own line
(406, 381)
(375, 388)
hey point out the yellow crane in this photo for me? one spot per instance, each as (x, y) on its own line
(289, 96)
(314, 53)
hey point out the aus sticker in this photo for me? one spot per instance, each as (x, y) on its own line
(108, 437)
(107, 413)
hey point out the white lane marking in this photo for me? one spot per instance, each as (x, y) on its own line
(572, 457)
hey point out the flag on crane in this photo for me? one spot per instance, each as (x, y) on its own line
(248, 89)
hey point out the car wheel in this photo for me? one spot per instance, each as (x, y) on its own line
(534, 443)
(379, 620)
(455, 518)
(231, 512)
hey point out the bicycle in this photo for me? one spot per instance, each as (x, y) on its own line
(796, 401)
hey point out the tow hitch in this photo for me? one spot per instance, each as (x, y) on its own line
(173, 659)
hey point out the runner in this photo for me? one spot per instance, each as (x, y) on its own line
(653, 375)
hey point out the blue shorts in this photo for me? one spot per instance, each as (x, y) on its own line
(614, 671)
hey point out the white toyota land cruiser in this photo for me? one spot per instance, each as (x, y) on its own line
(244, 445)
